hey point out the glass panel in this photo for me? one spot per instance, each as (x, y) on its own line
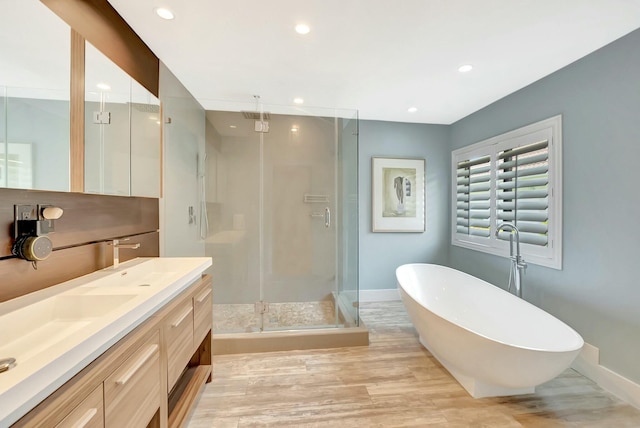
(348, 227)
(299, 250)
(34, 99)
(282, 214)
(232, 192)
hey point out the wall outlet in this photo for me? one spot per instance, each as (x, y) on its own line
(23, 212)
(26, 212)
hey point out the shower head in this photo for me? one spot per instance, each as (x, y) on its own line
(146, 108)
(255, 115)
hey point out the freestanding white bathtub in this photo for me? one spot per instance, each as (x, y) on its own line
(491, 341)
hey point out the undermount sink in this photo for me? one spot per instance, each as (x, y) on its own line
(45, 324)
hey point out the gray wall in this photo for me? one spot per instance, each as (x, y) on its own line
(382, 253)
(598, 290)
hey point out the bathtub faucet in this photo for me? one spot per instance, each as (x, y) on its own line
(518, 265)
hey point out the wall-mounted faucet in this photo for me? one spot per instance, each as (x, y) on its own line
(116, 249)
(518, 265)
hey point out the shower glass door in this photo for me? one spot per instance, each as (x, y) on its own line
(232, 190)
(300, 219)
(281, 197)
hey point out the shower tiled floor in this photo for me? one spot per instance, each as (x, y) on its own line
(234, 318)
(393, 382)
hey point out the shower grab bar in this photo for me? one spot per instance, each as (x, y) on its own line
(327, 217)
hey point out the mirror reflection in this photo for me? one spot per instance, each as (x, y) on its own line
(34, 98)
(122, 131)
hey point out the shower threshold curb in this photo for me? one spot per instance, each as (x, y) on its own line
(288, 340)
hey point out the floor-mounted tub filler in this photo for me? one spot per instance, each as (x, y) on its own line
(491, 341)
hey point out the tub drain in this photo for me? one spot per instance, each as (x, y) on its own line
(7, 364)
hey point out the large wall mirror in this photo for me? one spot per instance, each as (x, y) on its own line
(34, 98)
(122, 141)
(122, 131)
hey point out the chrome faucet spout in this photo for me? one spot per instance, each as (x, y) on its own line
(518, 264)
(514, 230)
(116, 249)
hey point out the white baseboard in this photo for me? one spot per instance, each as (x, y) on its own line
(382, 295)
(588, 364)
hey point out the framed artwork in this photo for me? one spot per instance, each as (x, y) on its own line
(398, 194)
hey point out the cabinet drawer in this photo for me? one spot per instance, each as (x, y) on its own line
(132, 391)
(178, 335)
(202, 312)
(88, 414)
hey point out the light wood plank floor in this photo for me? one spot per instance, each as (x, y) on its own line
(394, 382)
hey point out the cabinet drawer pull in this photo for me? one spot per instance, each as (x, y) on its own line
(86, 418)
(203, 296)
(177, 322)
(141, 361)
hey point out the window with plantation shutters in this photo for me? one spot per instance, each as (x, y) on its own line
(522, 191)
(473, 196)
(513, 178)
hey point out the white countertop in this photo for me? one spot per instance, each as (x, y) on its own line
(54, 333)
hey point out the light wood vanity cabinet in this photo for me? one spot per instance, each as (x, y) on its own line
(150, 378)
(202, 314)
(132, 391)
(88, 414)
(178, 334)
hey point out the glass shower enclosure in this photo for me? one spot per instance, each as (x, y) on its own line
(281, 201)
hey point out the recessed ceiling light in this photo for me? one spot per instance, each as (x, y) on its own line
(298, 100)
(302, 29)
(465, 68)
(294, 129)
(412, 109)
(232, 126)
(164, 13)
(103, 86)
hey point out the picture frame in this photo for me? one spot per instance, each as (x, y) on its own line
(398, 194)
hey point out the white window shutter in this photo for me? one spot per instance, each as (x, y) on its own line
(473, 197)
(522, 194)
(515, 178)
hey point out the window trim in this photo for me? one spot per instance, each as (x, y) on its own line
(491, 147)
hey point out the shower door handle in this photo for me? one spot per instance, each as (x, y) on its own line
(327, 217)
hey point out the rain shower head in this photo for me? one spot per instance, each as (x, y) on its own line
(146, 108)
(255, 115)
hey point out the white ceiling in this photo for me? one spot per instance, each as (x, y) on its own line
(378, 56)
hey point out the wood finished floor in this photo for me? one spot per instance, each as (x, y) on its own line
(394, 382)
